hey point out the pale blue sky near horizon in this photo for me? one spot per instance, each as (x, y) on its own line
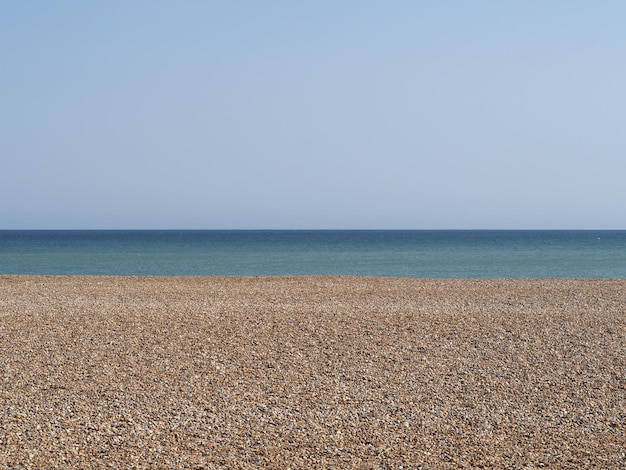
(344, 114)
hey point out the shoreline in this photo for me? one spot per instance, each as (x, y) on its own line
(311, 371)
(305, 276)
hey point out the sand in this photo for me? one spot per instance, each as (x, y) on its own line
(311, 372)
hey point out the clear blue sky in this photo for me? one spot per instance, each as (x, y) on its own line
(316, 114)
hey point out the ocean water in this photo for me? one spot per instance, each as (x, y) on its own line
(407, 253)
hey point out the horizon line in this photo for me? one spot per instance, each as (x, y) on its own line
(299, 229)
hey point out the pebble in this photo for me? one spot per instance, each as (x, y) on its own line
(311, 372)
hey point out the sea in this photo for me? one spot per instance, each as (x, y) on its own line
(389, 253)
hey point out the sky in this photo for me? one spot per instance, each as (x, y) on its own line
(151, 114)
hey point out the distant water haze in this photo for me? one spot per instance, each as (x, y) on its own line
(408, 253)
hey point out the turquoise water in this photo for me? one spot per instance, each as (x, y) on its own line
(410, 253)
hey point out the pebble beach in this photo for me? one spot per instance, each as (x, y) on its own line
(311, 372)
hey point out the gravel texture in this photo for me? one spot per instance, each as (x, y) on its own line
(311, 372)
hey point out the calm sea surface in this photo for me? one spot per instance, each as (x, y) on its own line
(411, 253)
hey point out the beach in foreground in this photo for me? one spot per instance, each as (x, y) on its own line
(311, 372)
